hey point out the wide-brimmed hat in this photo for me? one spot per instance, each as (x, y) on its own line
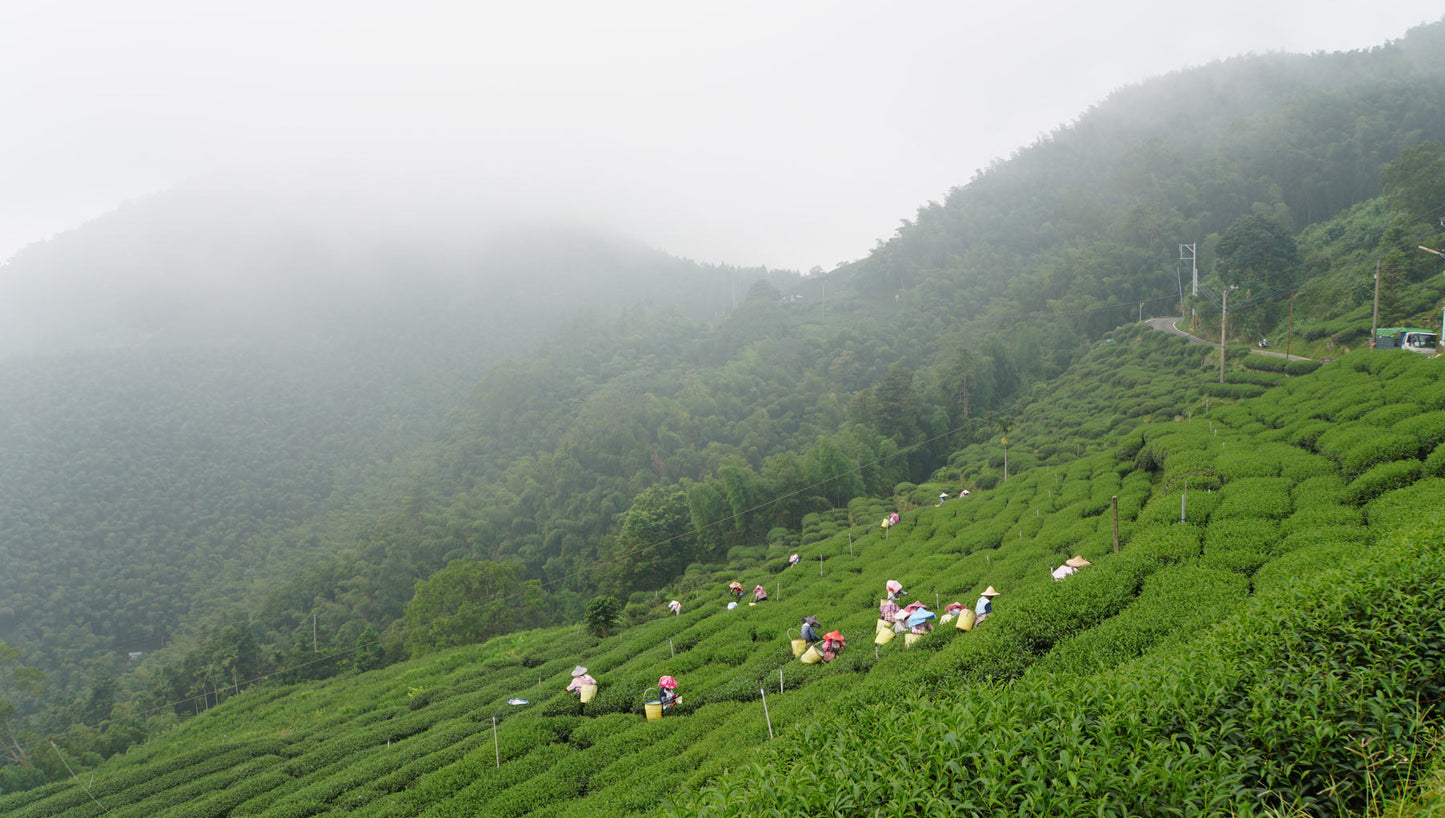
(1077, 562)
(579, 671)
(989, 591)
(893, 586)
(667, 682)
(735, 585)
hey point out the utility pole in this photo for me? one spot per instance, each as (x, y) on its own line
(1223, 322)
(1441, 255)
(1375, 317)
(1193, 260)
(1193, 267)
(1289, 333)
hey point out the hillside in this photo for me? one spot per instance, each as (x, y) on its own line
(271, 439)
(202, 380)
(1278, 648)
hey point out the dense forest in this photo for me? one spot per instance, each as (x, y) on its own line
(239, 493)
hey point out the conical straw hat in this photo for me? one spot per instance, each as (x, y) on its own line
(989, 591)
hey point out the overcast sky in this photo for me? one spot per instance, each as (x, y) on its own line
(786, 134)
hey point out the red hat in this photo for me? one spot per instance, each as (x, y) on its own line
(667, 682)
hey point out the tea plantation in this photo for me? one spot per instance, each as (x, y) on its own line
(1268, 639)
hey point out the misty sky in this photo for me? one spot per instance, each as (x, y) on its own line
(786, 134)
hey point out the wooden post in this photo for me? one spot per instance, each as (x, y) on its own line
(1223, 322)
(495, 744)
(1375, 316)
(1114, 504)
(1183, 501)
(1289, 333)
(780, 680)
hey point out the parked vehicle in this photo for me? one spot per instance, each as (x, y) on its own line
(1409, 339)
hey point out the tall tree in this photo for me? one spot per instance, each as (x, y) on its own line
(1258, 255)
(1415, 182)
(463, 603)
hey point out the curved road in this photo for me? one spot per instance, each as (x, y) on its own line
(1169, 324)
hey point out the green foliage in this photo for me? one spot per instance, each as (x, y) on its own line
(640, 442)
(602, 613)
(463, 603)
(1380, 479)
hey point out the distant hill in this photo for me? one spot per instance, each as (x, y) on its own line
(207, 264)
(185, 381)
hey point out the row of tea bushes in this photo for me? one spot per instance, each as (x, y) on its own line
(416, 738)
(1300, 701)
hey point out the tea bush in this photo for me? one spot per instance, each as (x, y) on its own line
(1427, 428)
(1165, 507)
(1265, 379)
(1380, 479)
(1179, 600)
(1239, 544)
(1406, 507)
(1266, 497)
(1299, 701)
(1305, 555)
(1434, 465)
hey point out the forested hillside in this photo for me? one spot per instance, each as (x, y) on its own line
(1265, 638)
(515, 424)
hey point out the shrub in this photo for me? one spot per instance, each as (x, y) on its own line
(1255, 497)
(602, 614)
(1265, 379)
(1435, 463)
(1180, 600)
(1380, 479)
(1236, 391)
(1427, 428)
(1241, 544)
(1381, 448)
(1307, 554)
(1406, 507)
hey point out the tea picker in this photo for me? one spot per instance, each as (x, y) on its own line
(667, 692)
(984, 606)
(1070, 566)
(583, 686)
(809, 631)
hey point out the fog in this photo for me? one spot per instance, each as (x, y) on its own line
(782, 134)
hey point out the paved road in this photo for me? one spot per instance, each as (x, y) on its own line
(1170, 324)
